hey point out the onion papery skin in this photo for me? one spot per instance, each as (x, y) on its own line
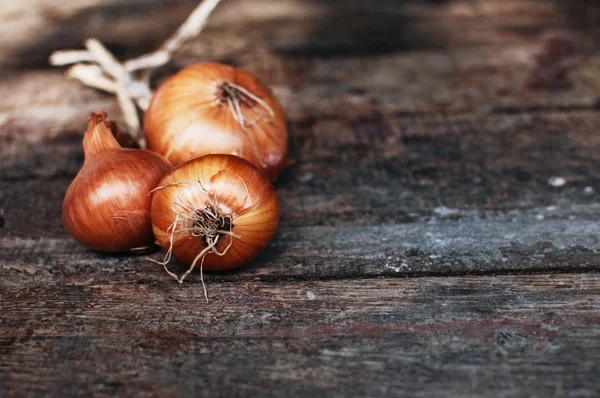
(242, 193)
(107, 206)
(189, 117)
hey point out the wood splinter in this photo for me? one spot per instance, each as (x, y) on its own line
(97, 67)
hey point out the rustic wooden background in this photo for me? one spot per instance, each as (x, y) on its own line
(422, 250)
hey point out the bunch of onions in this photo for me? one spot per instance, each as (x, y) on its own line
(218, 211)
(107, 207)
(212, 108)
(223, 129)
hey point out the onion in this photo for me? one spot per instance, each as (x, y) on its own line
(107, 207)
(213, 108)
(217, 211)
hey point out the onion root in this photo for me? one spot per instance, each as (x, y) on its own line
(209, 224)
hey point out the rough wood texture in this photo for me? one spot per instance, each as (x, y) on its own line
(373, 337)
(422, 250)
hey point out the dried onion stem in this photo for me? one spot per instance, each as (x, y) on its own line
(98, 68)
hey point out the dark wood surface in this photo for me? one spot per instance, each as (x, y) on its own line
(422, 250)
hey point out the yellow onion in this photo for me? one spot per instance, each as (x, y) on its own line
(216, 212)
(107, 207)
(213, 108)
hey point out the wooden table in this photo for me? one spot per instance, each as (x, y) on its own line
(439, 232)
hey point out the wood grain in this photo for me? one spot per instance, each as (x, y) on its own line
(374, 337)
(518, 242)
(422, 250)
(371, 171)
(281, 44)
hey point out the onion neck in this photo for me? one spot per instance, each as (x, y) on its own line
(99, 136)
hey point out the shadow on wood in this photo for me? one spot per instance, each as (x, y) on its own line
(128, 28)
(353, 29)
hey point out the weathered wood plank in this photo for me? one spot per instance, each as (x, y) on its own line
(347, 169)
(454, 77)
(374, 337)
(290, 27)
(517, 242)
(336, 307)
(481, 80)
(380, 365)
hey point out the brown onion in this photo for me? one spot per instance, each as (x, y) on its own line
(218, 211)
(213, 108)
(107, 207)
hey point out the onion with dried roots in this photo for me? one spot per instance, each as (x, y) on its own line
(212, 108)
(216, 212)
(107, 207)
